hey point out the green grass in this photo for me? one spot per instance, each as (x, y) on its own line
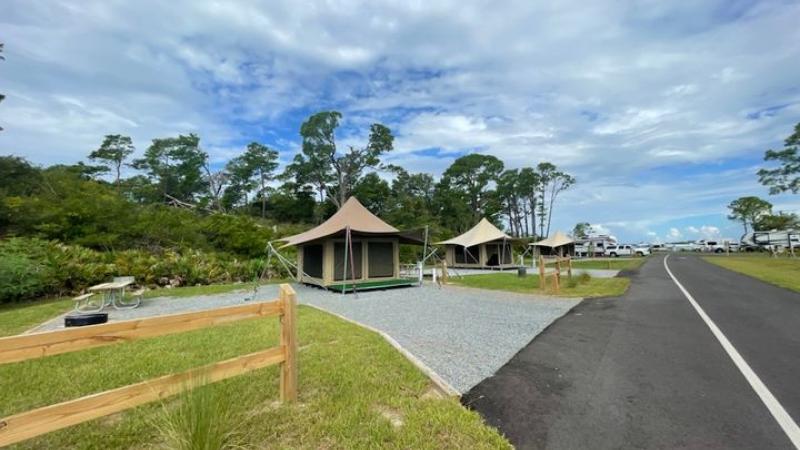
(784, 272)
(16, 318)
(605, 263)
(209, 289)
(594, 287)
(613, 264)
(351, 385)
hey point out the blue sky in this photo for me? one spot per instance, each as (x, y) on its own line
(662, 110)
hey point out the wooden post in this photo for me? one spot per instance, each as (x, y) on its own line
(558, 265)
(288, 300)
(444, 272)
(556, 284)
(569, 266)
(542, 279)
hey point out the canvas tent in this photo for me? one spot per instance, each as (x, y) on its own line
(352, 249)
(557, 244)
(483, 246)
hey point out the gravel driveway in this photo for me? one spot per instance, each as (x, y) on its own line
(463, 335)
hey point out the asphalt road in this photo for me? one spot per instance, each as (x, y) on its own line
(645, 371)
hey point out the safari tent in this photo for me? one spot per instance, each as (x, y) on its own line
(558, 244)
(353, 250)
(483, 246)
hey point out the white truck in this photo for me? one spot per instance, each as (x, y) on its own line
(626, 250)
(716, 246)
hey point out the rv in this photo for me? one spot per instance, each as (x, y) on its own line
(775, 240)
(593, 245)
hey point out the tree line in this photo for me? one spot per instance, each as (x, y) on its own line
(322, 176)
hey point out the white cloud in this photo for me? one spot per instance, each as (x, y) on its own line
(674, 233)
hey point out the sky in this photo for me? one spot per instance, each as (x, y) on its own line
(662, 110)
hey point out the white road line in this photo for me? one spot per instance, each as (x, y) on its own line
(783, 418)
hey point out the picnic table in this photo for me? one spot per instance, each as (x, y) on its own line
(112, 294)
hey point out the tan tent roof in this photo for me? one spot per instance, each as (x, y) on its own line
(484, 231)
(352, 214)
(557, 240)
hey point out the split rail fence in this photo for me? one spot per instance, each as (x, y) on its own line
(558, 262)
(43, 420)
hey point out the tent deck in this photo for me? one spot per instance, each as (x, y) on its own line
(371, 285)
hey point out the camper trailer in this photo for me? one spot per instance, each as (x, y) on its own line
(775, 240)
(592, 246)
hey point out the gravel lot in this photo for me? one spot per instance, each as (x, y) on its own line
(464, 335)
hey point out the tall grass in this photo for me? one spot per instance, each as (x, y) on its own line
(201, 418)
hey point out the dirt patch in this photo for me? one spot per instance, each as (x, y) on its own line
(392, 415)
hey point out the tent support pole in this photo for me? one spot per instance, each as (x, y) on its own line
(344, 274)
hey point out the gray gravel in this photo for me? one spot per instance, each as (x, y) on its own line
(464, 335)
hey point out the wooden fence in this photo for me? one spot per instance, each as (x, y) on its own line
(38, 421)
(555, 272)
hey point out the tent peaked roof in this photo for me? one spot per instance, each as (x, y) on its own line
(352, 214)
(484, 231)
(556, 240)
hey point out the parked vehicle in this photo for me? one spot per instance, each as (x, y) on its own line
(626, 250)
(775, 240)
(593, 245)
(716, 246)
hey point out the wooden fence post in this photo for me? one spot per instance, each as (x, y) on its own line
(556, 284)
(444, 272)
(288, 300)
(569, 266)
(542, 279)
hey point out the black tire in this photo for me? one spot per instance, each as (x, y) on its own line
(83, 320)
(719, 250)
(613, 254)
(639, 254)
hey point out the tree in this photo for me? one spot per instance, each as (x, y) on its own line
(374, 193)
(114, 150)
(411, 202)
(551, 183)
(748, 210)
(262, 162)
(780, 221)
(471, 176)
(529, 185)
(787, 176)
(581, 230)
(508, 193)
(175, 164)
(334, 174)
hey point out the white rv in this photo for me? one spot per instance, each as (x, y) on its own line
(775, 240)
(593, 245)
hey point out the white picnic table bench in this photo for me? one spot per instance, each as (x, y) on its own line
(111, 294)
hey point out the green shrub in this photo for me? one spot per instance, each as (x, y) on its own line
(31, 267)
(22, 277)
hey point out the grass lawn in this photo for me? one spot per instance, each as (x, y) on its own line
(595, 287)
(613, 264)
(784, 272)
(210, 289)
(16, 318)
(355, 390)
(605, 263)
